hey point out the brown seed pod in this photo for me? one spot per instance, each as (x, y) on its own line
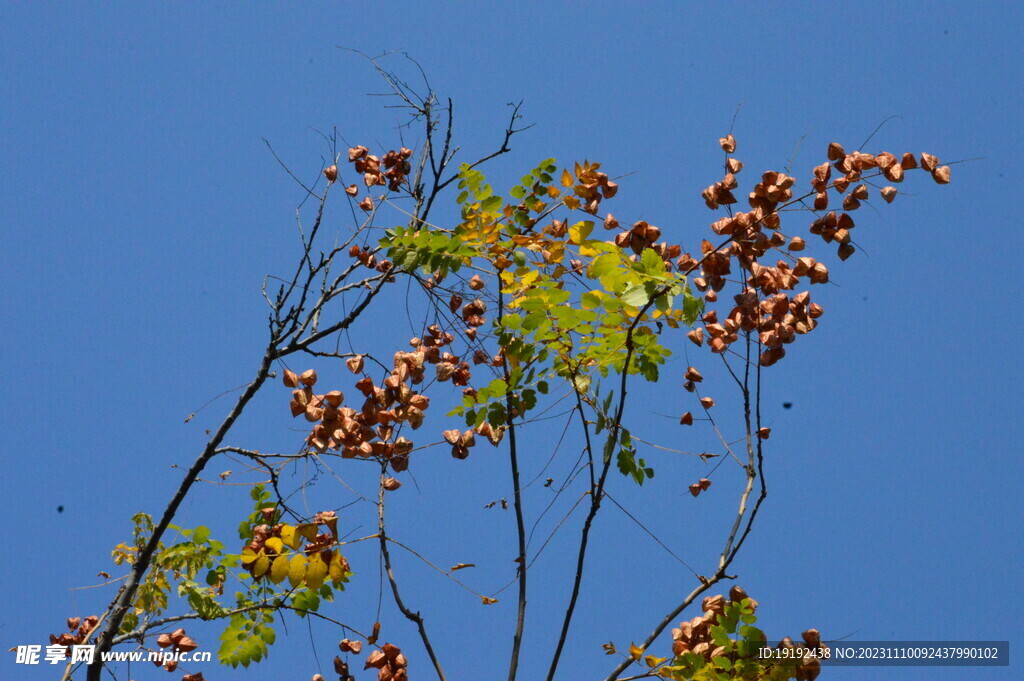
(187, 644)
(929, 162)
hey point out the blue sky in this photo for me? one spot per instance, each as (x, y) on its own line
(141, 210)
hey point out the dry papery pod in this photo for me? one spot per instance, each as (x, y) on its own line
(348, 646)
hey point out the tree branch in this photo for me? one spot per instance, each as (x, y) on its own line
(386, 554)
(513, 455)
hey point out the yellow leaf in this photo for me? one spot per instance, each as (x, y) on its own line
(261, 564)
(635, 651)
(335, 571)
(307, 530)
(316, 571)
(553, 192)
(488, 601)
(248, 555)
(652, 661)
(296, 569)
(278, 570)
(527, 279)
(290, 537)
(566, 178)
(276, 544)
(462, 566)
(571, 202)
(579, 232)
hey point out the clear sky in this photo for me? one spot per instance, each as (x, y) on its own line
(141, 209)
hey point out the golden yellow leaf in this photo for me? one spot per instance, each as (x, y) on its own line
(553, 192)
(635, 651)
(335, 571)
(248, 555)
(652, 661)
(290, 537)
(579, 232)
(296, 569)
(566, 178)
(488, 601)
(278, 570)
(316, 571)
(307, 530)
(462, 566)
(261, 564)
(276, 544)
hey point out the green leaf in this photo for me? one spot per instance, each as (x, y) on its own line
(625, 462)
(719, 635)
(651, 262)
(491, 204)
(635, 296)
(692, 307)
